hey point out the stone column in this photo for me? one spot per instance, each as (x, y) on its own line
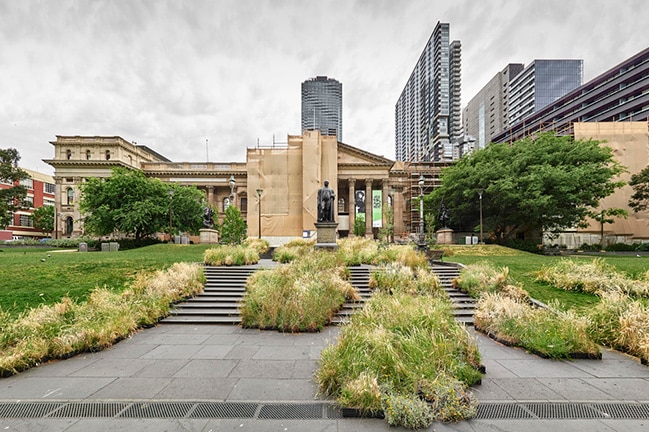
(210, 195)
(368, 208)
(351, 206)
(58, 201)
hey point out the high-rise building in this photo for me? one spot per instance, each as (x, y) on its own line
(427, 114)
(541, 83)
(322, 106)
(487, 113)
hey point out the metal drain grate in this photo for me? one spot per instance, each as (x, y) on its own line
(27, 409)
(224, 410)
(89, 409)
(158, 410)
(623, 411)
(499, 411)
(562, 411)
(291, 411)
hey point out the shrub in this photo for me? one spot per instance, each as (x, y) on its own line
(398, 340)
(480, 278)
(293, 250)
(303, 295)
(407, 411)
(260, 245)
(596, 277)
(233, 230)
(68, 327)
(525, 246)
(357, 250)
(231, 255)
(359, 226)
(543, 331)
(399, 279)
(642, 247)
(621, 247)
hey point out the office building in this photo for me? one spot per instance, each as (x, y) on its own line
(487, 113)
(427, 114)
(541, 83)
(322, 106)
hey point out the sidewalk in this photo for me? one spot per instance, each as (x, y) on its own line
(207, 367)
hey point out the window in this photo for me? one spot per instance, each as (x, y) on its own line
(341, 205)
(28, 183)
(69, 225)
(49, 188)
(68, 154)
(26, 221)
(107, 154)
(29, 201)
(244, 205)
(48, 202)
(226, 203)
(88, 154)
(70, 196)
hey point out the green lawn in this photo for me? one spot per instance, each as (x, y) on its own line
(26, 281)
(522, 266)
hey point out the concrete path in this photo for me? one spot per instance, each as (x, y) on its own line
(194, 367)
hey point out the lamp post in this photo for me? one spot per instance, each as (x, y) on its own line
(259, 192)
(480, 192)
(171, 199)
(233, 182)
(421, 211)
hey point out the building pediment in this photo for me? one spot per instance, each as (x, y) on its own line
(353, 156)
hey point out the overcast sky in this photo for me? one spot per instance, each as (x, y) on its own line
(171, 74)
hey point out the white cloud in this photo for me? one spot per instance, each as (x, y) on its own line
(171, 74)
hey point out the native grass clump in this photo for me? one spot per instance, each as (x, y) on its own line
(392, 356)
(260, 245)
(622, 322)
(397, 278)
(69, 327)
(596, 277)
(483, 277)
(303, 295)
(547, 332)
(232, 255)
(293, 250)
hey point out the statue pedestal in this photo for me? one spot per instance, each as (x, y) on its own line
(326, 235)
(444, 236)
(208, 236)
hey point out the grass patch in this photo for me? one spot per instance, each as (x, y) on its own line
(69, 327)
(397, 278)
(545, 332)
(231, 255)
(26, 281)
(303, 295)
(395, 351)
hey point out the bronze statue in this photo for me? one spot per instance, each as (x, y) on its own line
(326, 200)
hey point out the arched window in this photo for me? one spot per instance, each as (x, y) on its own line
(226, 203)
(130, 160)
(70, 195)
(69, 225)
(107, 154)
(390, 200)
(341, 205)
(88, 154)
(68, 154)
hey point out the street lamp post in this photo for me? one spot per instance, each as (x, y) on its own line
(171, 199)
(421, 211)
(259, 192)
(233, 182)
(480, 192)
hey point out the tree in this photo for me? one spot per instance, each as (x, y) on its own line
(640, 183)
(11, 199)
(359, 225)
(545, 183)
(606, 216)
(234, 228)
(44, 219)
(128, 202)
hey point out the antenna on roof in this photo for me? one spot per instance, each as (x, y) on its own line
(207, 151)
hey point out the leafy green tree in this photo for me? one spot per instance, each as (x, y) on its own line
(11, 199)
(128, 202)
(640, 184)
(44, 219)
(542, 183)
(234, 228)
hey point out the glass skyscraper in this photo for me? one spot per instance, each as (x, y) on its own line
(322, 106)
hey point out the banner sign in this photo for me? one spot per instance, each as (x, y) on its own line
(377, 208)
